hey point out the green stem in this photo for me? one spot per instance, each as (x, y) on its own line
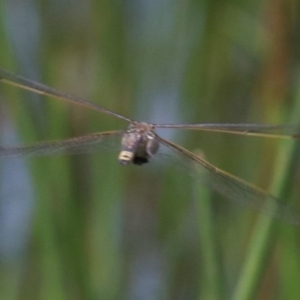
(263, 238)
(214, 286)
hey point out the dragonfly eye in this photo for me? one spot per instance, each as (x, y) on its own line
(152, 145)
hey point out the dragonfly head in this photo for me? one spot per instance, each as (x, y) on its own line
(138, 144)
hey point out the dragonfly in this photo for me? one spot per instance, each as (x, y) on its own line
(140, 142)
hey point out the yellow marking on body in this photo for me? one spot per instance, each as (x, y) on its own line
(126, 155)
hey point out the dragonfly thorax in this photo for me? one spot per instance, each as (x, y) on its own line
(139, 143)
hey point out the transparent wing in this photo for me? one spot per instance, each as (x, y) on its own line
(39, 88)
(230, 186)
(263, 130)
(104, 141)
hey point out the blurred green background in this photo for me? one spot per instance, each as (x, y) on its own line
(84, 227)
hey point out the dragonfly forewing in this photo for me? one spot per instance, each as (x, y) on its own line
(262, 130)
(102, 141)
(33, 86)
